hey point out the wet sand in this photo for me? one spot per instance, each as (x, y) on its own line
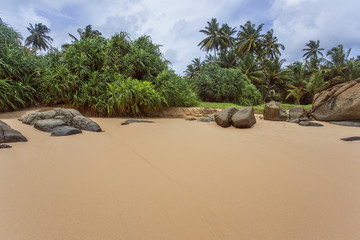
(175, 179)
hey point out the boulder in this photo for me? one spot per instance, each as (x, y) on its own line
(347, 123)
(86, 124)
(223, 117)
(244, 118)
(310, 124)
(47, 125)
(339, 103)
(7, 134)
(65, 131)
(274, 112)
(297, 112)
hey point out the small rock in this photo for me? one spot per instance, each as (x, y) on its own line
(310, 124)
(85, 123)
(351, 139)
(190, 119)
(347, 123)
(297, 112)
(5, 146)
(65, 131)
(129, 121)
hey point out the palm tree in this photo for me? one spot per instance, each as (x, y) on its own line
(250, 68)
(38, 38)
(338, 56)
(271, 46)
(86, 34)
(249, 38)
(212, 41)
(193, 69)
(226, 37)
(313, 49)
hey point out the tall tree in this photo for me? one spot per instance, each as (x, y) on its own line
(338, 56)
(212, 41)
(38, 38)
(271, 46)
(86, 33)
(249, 38)
(226, 37)
(312, 50)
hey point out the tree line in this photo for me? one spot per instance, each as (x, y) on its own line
(257, 56)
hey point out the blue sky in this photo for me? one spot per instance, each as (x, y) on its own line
(175, 24)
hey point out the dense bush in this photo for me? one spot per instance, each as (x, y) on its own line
(17, 71)
(216, 84)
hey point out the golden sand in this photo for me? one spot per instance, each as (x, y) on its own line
(175, 179)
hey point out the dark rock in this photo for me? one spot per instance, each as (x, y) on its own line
(244, 118)
(310, 124)
(351, 139)
(5, 146)
(208, 118)
(190, 119)
(274, 112)
(296, 120)
(46, 125)
(129, 121)
(65, 131)
(297, 112)
(85, 123)
(339, 103)
(347, 123)
(7, 134)
(223, 117)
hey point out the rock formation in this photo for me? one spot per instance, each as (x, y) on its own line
(7, 134)
(274, 112)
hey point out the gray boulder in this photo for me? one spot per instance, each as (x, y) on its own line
(297, 112)
(85, 123)
(47, 125)
(65, 131)
(223, 117)
(208, 118)
(7, 134)
(244, 118)
(339, 103)
(274, 112)
(310, 124)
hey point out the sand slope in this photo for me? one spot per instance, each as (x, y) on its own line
(175, 179)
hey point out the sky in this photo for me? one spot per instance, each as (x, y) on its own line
(175, 25)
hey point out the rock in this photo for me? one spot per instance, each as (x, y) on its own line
(297, 112)
(65, 131)
(208, 118)
(274, 112)
(30, 118)
(351, 139)
(310, 124)
(346, 123)
(46, 125)
(244, 118)
(7, 134)
(190, 119)
(223, 117)
(129, 121)
(5, 146)
(339, 103)
(296, 120)
(85, 123)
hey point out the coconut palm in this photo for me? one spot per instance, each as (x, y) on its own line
(338, 56)
(38, 38)
(86, 33)
(212, 41)
(249, 38)
(271, 46)
(226, 39)
(313, 49)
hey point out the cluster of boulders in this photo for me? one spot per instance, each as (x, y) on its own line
(60, 122)
(239, 118)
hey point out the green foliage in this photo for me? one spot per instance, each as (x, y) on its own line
(217, 84)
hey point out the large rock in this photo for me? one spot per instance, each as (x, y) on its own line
(244, 118)
(274, 112)
(297, 112)
(47, 125)
(60, 122)
(339, 103)
(86, 124)
(7, 134)
(223, 117)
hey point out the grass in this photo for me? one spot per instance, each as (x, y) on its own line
(257, 108)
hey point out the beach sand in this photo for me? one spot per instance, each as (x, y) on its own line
(180, 180)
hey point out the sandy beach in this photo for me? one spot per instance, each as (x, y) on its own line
(180, 180)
